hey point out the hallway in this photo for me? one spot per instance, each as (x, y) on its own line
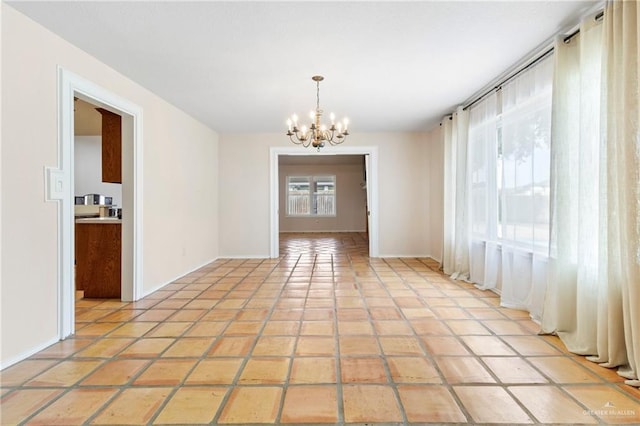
(323, 334)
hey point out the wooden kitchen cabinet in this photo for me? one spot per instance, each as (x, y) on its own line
(98, 259)
(111, 146)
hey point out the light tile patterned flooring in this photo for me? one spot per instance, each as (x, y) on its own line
(324, 334)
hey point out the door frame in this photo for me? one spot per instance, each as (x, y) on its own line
(370, 153)
(70, 85)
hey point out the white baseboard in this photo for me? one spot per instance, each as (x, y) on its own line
(146, 293)
(20, 357)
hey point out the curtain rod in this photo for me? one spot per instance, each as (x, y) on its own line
(534, 61)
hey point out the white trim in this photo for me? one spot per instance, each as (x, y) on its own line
(70, 84)
(372, 183)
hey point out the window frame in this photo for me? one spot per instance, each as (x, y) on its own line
(312, 193)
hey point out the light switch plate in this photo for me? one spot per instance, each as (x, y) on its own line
(54, 182)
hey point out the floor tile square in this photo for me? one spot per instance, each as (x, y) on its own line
(363, 370)
(359, 345)
(19, 405)
(207, 329)
(513, 370)
(463, 369)
(430, 327)
(215, 371)
(491, 404)
(346, 328)
(274, 346)
(115, 373)
(413, 370)
(147, 348)
(487, 345)
(317, 328)
(170, 329)
(385, 313)
(315, 346)
(311, 370)
(611, 407)
(550, 405)
(281, 328)
(467, 327)
(310, 404)
(189, 347)
(19, 373)
(444, 345)
(252, 405)
(370, 403)
(165, 372)
(430, 404)
(531, 345)
(134, 406)
(264, 371)
(66, 373)
(244, 328)
(393, 328)
(232, 346)
(563, 370)
(192, 406)
(73, 408)
(401, 346)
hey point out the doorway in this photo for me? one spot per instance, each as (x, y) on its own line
(71, 86)
(370, 156)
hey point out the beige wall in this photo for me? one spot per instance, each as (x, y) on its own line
(435, 165)
(180, 182)
(403, 191)
(351, 199)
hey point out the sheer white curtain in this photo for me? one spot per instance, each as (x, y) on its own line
(483, 148)
(509, 150)
(455, 258)
(593, 296)
(524, 190)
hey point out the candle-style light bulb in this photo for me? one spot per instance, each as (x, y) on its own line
(333, 118)
(346, 124)
(339, 126)
(312, 115)
(295, 120)
(289, 124)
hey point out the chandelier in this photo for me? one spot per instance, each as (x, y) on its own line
(317, 134)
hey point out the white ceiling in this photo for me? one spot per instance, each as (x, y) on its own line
(246, 66)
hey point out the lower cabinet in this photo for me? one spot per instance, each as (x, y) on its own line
(98, 259)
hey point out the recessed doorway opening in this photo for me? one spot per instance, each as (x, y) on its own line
(359, 196)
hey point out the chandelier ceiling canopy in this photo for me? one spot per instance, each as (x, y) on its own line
(317, 134)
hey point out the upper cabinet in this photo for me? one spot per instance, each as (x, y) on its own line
(111, 146)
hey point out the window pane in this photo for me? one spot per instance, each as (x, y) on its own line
(525, 161)
(324, 195)
(482, 153)
(298, 195)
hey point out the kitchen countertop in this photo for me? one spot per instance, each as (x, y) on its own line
(100, 220)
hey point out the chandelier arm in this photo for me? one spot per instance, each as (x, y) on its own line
(298, 141)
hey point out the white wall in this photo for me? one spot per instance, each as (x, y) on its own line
(88, 170)
(435, 164)
(403, 182)
(351, 199)
(180, 182)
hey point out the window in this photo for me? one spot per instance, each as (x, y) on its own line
(509, 160)
(311, 195)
